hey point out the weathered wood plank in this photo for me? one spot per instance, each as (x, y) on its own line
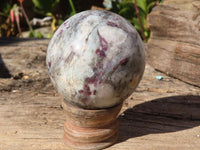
(174, 46)
(160, 114)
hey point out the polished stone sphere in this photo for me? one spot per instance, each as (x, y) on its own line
(95, 59)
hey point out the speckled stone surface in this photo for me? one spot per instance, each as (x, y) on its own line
(95, 59)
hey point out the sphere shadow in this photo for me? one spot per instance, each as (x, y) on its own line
(163, 115)
(4, 72)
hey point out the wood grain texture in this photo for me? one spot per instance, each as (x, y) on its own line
(174, 46)
(159, 115)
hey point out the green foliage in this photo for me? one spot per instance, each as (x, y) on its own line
(126, 8)
(5, 8)
(38, 34)
(42, 8)
(60, 21)
(45, 7)
(72, 7)
(31, 34)
(6, 27)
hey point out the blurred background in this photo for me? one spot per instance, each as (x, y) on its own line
(41, 18)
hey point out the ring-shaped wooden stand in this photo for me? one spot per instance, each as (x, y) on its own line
(90, 129)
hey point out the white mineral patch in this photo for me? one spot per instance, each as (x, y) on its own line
(105, 94)
(112, 35)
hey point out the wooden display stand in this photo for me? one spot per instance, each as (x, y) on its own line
(90, 129)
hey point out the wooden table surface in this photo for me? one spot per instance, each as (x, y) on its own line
(159, 115)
